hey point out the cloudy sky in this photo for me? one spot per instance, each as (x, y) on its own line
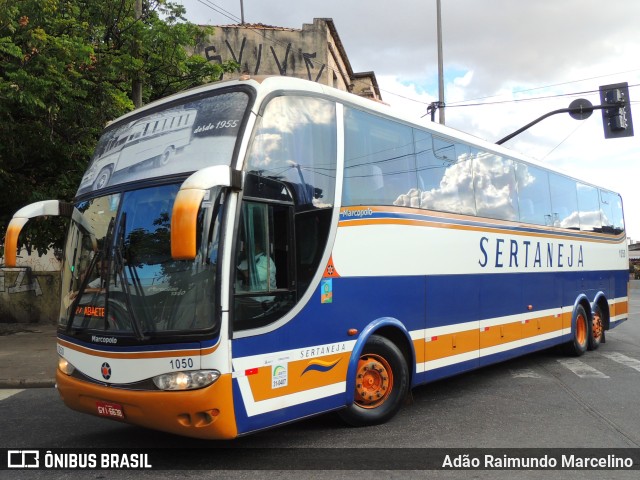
(506, 63)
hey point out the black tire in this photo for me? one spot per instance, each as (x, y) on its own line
(382, 381)
(580, 333)
(597, 329)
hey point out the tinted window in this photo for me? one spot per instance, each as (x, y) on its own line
(263, 265)
(295, 142)
(494, 179)
(612, 218)
(379, 162)
(444, 175)
(533, 194)
(564, 202)
(589, 205)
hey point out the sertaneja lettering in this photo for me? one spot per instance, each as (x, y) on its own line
(513, 253)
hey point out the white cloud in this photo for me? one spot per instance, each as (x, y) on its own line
(492, 49)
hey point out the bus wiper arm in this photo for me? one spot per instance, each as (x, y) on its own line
(121, 272)
(81, 289)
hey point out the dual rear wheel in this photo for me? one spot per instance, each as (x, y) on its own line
(587, 335)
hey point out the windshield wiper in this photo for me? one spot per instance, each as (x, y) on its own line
(81, 289)
(120, 268)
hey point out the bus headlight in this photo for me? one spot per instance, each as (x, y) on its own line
(65, 366)
(189, 380)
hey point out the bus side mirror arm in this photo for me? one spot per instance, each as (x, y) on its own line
(187, 204)
(56, 208)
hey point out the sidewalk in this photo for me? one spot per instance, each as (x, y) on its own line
(28, 356)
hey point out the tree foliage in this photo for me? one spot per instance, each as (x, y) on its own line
(66, 69)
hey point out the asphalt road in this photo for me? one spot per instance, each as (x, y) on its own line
(543, 401)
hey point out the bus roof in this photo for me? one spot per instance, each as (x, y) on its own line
(268, 85)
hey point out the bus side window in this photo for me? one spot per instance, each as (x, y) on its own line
(264, 287)
(589, 205)
(494, 181)
(534, 197)
(611, 208)
(564, 202)
(446, 178)
(380, 167)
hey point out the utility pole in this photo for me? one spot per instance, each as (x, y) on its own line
(136, 82)
(241, 12)
(440, 65)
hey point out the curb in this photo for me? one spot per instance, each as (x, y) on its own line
(26, 383)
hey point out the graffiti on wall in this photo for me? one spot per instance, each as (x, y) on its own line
(281, 60)
(23, 282)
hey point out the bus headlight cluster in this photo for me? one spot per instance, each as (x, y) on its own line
(186, 380)
(65, 366)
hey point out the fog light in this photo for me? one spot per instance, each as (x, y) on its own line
(186, 380)
(65, 366)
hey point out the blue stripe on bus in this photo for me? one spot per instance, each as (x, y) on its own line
(423, 302)
(246, 424)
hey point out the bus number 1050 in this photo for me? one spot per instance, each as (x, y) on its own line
(181, 363)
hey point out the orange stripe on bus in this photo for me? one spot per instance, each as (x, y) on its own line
(500, 225)
(451, 344)
(484, 337)
(261, 383)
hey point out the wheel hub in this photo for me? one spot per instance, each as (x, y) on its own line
(373, 381)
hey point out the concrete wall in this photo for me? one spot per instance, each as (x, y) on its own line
(262, 50)
(314, 53)
(28, 296)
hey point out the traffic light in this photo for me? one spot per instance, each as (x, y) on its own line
(616, 119)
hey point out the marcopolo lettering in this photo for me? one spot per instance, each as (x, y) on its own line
(366, 212)
(96, 339)
(512, 253)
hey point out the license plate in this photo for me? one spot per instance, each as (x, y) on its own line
(111, 410)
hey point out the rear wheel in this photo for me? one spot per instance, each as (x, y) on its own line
(581, 333)
(382, 380)
(597, 329)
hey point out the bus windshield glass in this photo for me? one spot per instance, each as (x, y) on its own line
(119, 277)
(182, 137)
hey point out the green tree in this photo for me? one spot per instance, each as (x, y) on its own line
(66, 69)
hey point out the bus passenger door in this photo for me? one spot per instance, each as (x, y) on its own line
(264, 286)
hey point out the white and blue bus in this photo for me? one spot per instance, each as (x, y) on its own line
(308, 251)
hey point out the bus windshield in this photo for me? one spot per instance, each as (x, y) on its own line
(119, 277)
(182, 137)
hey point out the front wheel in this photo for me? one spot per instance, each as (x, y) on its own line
(382, 380)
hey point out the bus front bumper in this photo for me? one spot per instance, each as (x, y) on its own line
(204, 413)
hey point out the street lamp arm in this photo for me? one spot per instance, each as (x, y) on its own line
(586, 110)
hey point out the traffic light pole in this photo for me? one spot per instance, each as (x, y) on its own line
(581, 112)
